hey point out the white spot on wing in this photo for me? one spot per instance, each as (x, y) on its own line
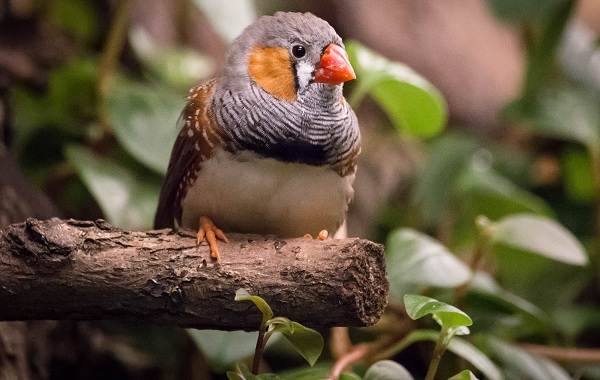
(210, 144)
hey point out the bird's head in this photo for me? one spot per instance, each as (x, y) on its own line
(286, 54)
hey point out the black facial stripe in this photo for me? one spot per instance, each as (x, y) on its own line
(296, 82)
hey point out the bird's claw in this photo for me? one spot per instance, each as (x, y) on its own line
(323, 234)
(208, 231)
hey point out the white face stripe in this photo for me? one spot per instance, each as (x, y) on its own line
(304, 74)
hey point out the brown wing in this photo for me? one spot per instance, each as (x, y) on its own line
(196, 142)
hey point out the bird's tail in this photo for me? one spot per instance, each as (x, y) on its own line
(164, 217)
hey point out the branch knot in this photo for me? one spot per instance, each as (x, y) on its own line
(49, 243)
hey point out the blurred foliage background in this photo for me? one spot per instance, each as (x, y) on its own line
(480, 171)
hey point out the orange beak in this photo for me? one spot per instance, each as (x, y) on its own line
(335, 67)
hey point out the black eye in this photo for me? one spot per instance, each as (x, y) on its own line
(298, 51)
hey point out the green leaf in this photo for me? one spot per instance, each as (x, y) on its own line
(78, 18)
(259, 302)
(567, 112)
(415, 258)
(575, 319)
(77, 76)
(30, 115)
(144, 118)
(126, 200)
(464, 375)
(488, 193)
(413, 105)
(268, 376)
(243, 373)
(447, 316)
(524, 364)
(318, 372)
(349, 376)
(541, 55)
(306, 341)
(387, 370)
(541, 236)
(57, 108)
(578, 175)
(177, 66)
(484, 285)
(229, 18)
(460, 176)
(458, 346)
(526, 275)
(473, 355)
(523, 10)
(223, 348)
(235, 376)
(447, 157)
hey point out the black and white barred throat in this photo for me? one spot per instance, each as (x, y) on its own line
(318, 128)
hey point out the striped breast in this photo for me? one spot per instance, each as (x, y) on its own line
(318, 128)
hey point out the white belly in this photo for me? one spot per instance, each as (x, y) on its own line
(246, 193)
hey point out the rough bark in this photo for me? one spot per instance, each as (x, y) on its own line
(23, 346)
(78, 270)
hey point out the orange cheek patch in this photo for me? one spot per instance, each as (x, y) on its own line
(271, 69)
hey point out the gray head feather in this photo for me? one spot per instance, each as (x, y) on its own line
(280, 30)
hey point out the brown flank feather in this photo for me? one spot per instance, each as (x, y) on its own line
(271, 69)
(197, 141)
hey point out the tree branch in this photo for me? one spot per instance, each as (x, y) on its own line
(68, 269)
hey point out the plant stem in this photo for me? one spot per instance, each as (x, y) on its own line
(357, 353)
(564, 354)
(339, 342)
(595, 158)
(446, 226)
(542, 53)
(479, 252)
(438, 352)
(260, 347)
(110, 56)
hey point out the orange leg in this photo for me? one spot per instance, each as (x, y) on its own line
(323, 234)
(209, 232)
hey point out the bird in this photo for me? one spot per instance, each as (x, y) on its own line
(269, 146)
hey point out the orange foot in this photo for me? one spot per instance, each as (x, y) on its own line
(209, 232)
(321, 236)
